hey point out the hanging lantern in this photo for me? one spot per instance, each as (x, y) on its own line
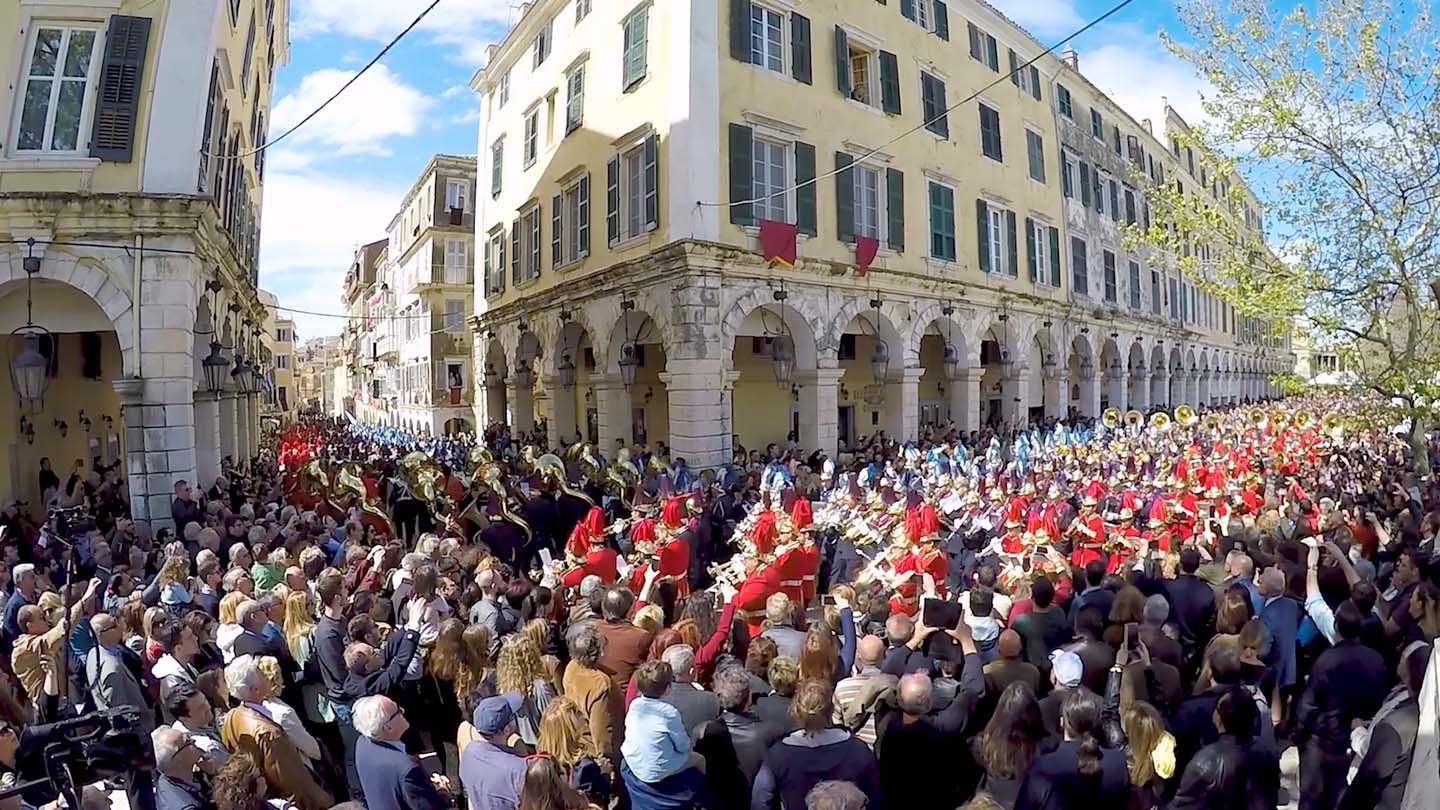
(240, 374)
(215, 367)
(879, 360)
(782, 359)
(950, 360)
(1087, 369)
(565, 369)
(492, 375)
(29, 367)
(629, 363)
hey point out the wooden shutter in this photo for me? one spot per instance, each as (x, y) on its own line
(500, 262)
(117, 102)
(982, 223)
(844, 198)
(555, 206)
(805, 216)
(489, 267)
(936, 118)
(1085, 184)
(612, 200)
(1035, 82)
(1055, 256)
(842, 62)
(582, 224)
(1010, 239)
(1014, 69)
(652, 182)
(742, 169)
(907, 8)
(975, 44)
(895, 208)
(800, 47)
(1030, 247)
(740, 29)
(889, 83)
(515, 252)
(942, 19)
(535, 242)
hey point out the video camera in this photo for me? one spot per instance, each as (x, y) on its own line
(61, 758)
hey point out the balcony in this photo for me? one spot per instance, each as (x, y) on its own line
(445, 275)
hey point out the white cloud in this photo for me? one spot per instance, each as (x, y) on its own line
(313, 222)
(467, 25)
(1043, 18)
(1114, 61)
(378, 106)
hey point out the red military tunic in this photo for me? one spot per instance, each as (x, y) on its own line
(674, 564)
(1132, 537)
(750, 599)
(793, 564)
(1089, 534)
(600, 562)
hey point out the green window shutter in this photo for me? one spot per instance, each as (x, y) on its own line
(800, 47)
(555, 231)
(1035, 82)
(1010, 239)
(842, 62)
(992, 53)
(933, 105)
(1055, 257)
(612, 200)
(895, 208)
(740, 29)
(117, 102)
(583, 226)
(844, 197)
(515, 252)
(805, 218)
(889, 83)
(497, 168)
(942, 20)
(982, 234)
(652, 182)
(1014, 69)
(489, 267)
(907, 8)
(1030, 247)
(1114, 201)
(1085, 184)
(742, 168)
(975, 45)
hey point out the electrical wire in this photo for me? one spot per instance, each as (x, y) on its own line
(923, 124)
(303, 121)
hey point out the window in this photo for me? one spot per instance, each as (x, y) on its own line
(1134, 285)
(635, 42)
(526, 261)
(1099, 193)
(456, 193)
(249, 54)
(504, 87)
(864, 74)
(997, 239)
(1097, 125)
(282, 361)
(1174, 300)
(1115, 142)
(990, 133)
(532, 137)
(542, 44)
(1067, 105)
(1190, 160)
(933, 107)
(1067, 175)
(772, 180)
(1079, 266)
(574, 99)
(57, 104)
(1114, 200)
(497, 166)
(868, 202)
(1154, 292)
(455, 261)
(942, 222)
(1025, 77)
(495, 261)
(983, 47)
(767, 38)
(1130, 205)
(1035, 151)
(633, 175)
(571, 220)
(1111, 284)
(454, 317)
(1044, 243)
(582, 9)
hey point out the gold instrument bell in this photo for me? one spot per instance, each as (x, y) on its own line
(1257, 417)
(1185, 416)
(1212, 422)
(1110, 418)
(1278, 419)
(1160, 420)
(1302, 419)
(1133, 418)
(1330, 423)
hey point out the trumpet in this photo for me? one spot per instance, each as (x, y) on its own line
(1185, 416)
(1110, 418)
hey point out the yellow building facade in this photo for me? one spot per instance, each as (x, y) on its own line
(630, 152)
(128, 170)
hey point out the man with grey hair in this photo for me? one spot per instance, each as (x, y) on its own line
(1240, 570)
(176, 758)
(1162, 645)
(743, 730)
(696, 706)
(780, 626)
(491, 611)
(835, 795)
(392, 779)
(586, 612)
(248, 728)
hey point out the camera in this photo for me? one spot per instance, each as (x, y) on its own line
(61, 758)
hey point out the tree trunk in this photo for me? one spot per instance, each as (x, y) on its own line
(1419, 450)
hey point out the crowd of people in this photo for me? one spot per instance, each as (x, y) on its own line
(1139, 615)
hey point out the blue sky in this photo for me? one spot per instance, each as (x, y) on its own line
(336, 182)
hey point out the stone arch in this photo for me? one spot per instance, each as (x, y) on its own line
(795, 313)
(91, 277)
(828, 340)
(932, 320)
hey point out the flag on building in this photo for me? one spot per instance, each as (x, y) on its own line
(777, 242)
(865, 249)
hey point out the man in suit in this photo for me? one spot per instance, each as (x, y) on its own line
(696, 706)
(393, 780)
(111, 682)
(249, 728)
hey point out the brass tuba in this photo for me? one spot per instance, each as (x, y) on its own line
(1331, 423)
(551, 468)
(1160, 421)
(1257, 417)
(1279, 420)
(528, 456)
(1110, 418)
(1133, 418)
(1302, 420)
(350, 482)
(1212, 422)
(1185, 416)
(494, 479)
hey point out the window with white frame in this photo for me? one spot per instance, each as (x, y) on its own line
(455, 260)
(55, 106)
(767, 38)
(454, 317)
(1035, 154)
(530, 242)
(457, 193)
(943, 244)
(542, 43)
(497, 166)
(282, 361)
(869, 201)
(1047, 269)
(771, 173)
(574, 221)
(574, 98)
(504, 87)
(495, 259)
(532, 137)
(635, 40)
(999, 241)
(582, 9)
(632, 192)
(864, 74)
(1068, 180)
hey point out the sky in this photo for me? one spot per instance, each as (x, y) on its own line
(336, 182)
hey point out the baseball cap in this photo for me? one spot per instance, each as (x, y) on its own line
(495, 713)
(1067, 668)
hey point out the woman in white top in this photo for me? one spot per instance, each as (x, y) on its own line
(280, 711)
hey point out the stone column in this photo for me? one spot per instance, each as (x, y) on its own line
(1057, 393)
(521, 399)
(964, 396)
(1118, 389)
(1139, 399)
(820, 409)
(562, 424)
(242, 428)
(159, 418)
(699, 400)
(255, 432)
(612, 408)
(207, 437)
(1159, 387)
(902, 403)
(1090, 396)
(228, 444)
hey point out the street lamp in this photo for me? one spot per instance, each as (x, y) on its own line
(880, 355)
(240, 374)
(950, 355)
(629, 363)
(782, 359)
(214, 367)
(29, 368)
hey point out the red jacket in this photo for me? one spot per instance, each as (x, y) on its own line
(750, 600)
(600, 562)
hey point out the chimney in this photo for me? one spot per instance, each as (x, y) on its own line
(1150, 128)
(1071, 58)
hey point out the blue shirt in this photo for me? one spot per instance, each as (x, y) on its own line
(492, 776)
(656, 743)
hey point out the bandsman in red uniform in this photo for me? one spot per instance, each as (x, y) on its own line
(796, 558)
(672, 553)
(588, 553)
(762, 576)
(1128, 538)
(1087, 530)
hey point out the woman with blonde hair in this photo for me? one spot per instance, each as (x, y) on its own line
(539, 631)
(519, 669)
(564, 737)
(1149, 755)
(649, 618)
(229, 629)
(281, 712)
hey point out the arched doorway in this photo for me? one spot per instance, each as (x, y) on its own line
(1177, 378)
(457, 425)
(493, 371)
(1139, 373)
(773, 347)
(1113, 393)
(871, 359)
(1205, 400)
(1045, 397)
(1192, 380)
(568, 385)
(949, 389)
(1159, 379)
(1080, 368)
(634, 402)
(999, 386)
